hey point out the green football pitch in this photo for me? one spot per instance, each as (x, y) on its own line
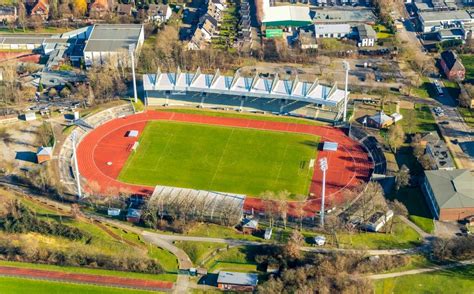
(218, 158)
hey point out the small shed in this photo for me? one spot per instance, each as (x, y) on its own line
(396, 117)
(134, 215)
(330, 146)
(29, 116)
(132, 134)
(237, 281)
(113, 211)
(320, 240)
(268, 234)
(44, 154)
(249, 226)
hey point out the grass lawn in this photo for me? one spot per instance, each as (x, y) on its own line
(424, 120)
(468, 62)
(26, 286)
(198, 251)
(265, 117)
(382, 32)
(468, 115)
(415, 202)
(234, 259)
(454, 280)
(84, 270)
(402, 237)
(216, 231)
(220, 158)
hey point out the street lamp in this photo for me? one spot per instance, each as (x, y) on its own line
(76, 167)
(323, 165)
(347, 67)
(131, 50)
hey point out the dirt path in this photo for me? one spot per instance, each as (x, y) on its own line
(421, 270)
(86, 279)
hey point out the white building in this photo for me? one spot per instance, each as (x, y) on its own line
(331, 30)
(106, 41)
(432, 21)
(159, 13)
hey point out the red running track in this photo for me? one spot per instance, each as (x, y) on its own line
(85, 278)
(104, 151)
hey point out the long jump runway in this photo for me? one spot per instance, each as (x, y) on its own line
(104, 151)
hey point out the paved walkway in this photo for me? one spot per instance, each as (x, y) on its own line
(237, 242)
(415, 227)
(421, 270)
(99, 280)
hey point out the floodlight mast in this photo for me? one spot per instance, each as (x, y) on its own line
(323, 165)
(76, 167)
(347, 67)
(131, 49)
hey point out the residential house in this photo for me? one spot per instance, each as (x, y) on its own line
(306, 40)
(99, 8)
(452, 66)
(215, 8)
(159, 13)
(379, 120)
(8, 14)
(41, 9)
(249, 226)
(237, 281)
(125, 9)
(450, 194)
(331, 30)
(366, 35)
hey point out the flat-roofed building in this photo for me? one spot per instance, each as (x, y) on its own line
(285, 16)
(344, 16)
(332, 30)
(432, 21)
(108, 40)
(8, 14)
(237, 281)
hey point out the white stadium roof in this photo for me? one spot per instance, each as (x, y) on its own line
(244, 86)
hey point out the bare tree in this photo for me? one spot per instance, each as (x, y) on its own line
(293, 245)
(402, 177)
(396, 137)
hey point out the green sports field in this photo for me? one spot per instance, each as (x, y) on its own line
(224, 159)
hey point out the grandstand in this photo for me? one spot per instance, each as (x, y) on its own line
(253, 94)
(223, 208)
(373, 148)
(67, 176)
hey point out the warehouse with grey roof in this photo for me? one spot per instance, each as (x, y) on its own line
(450, 194)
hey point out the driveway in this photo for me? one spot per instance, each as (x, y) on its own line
(456, 132)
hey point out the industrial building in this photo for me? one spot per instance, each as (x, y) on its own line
(432, 21)
(285, 16)
(91, 44)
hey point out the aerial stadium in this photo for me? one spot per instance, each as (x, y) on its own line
(224, 159)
